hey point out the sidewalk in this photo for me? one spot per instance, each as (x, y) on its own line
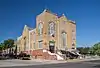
(80, 60)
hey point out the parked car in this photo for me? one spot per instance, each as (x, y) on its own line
(23, 56)
(2, 57)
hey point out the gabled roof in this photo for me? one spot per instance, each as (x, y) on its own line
(28, 27)
(33, 30)
(47, 10)
(19, 37)
(73, 22)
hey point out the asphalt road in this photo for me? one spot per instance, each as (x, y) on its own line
(86, 64)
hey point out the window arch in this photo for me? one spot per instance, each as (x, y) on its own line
(40, 28)
(51, 28)
(64, 38)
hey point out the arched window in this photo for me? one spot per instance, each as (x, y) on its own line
(51, 28)
(64, 40)
(40, 28)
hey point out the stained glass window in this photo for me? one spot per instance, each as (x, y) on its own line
(40, 28)
(40, 44)
(64, 39)
(51, 28)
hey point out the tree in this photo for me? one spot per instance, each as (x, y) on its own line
(9, 43)
(1, 46)
(95, 49)
(83, 50)
(91, 51)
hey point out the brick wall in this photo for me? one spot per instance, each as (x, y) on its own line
(39, 54)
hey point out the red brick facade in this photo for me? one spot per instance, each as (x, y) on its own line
(39, 54)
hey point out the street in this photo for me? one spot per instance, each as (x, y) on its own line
(84, 64)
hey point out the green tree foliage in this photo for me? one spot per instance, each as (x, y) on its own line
(95, 49)
(7, 44)
(1, 46)
(83, 50)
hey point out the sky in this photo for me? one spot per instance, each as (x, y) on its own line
(14, 14)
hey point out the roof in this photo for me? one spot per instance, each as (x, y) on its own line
(47, 10)
(28, 27)
(33, 30)
(19, 38)
(73, 22)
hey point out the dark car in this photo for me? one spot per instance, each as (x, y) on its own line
(23, 56)
(2, 57)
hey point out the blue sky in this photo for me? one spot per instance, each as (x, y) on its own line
(14, 14)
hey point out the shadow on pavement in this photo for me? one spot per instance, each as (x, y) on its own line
(96, 66)
(97, 61)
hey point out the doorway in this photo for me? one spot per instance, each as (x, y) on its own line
(52, 46)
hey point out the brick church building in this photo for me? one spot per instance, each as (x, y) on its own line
(52, 34)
